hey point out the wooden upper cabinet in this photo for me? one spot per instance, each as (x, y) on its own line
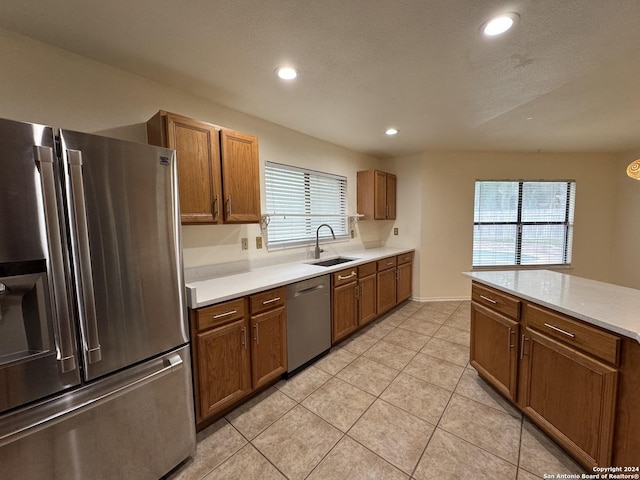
(391, 196)
(218, 169)
(240, 177)
(376, 195)
(197, 147)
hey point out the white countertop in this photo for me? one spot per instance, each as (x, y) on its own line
(215, 290)
(608, 306)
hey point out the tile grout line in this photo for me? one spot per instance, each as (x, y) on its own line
(436, 426)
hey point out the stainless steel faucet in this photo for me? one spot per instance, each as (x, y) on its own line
(318, 250)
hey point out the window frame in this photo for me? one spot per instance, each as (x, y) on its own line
(310, 218)
(567, 222)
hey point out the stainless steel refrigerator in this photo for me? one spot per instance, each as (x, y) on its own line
(95, 374)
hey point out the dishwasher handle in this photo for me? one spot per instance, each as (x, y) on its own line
(307, 291)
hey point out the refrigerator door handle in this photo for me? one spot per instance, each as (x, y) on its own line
(91, 343)
(63, 336)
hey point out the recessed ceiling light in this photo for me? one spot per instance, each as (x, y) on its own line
(392, 131)
(500, 24)
(286, 73)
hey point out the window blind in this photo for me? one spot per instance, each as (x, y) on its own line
(300, 200)
(523, 223)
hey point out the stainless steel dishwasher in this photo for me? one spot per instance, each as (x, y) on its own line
(308, 321)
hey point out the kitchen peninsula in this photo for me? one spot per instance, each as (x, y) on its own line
(566, 351)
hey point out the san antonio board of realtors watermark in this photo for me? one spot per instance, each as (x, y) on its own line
(600, 473)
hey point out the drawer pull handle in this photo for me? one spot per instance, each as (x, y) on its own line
(564, 332)
(352, 274)
(490, 300)
(389, 263)
(221, 315)
(275, 299)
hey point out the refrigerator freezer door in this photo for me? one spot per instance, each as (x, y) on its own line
(37, 336)
(125, 236)
(136, 424)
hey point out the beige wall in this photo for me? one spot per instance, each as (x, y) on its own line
(625, 259)
(43, 84)
(410, 202)
(446, 211)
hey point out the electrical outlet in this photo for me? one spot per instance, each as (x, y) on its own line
(258, 243)
(245, 243)
(395, 231)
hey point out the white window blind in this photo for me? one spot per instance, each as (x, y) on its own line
(523, 223)
(300, 200)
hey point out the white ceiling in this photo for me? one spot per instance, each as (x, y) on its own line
(565, 79)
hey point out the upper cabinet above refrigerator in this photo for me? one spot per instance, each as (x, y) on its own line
(218, 169)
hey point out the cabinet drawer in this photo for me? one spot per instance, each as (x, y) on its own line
(501, 302)
(345, 276)
(366, 269)
(405, 258)
(589, 339)
(221, 313)
(386, 263)
(268, 300)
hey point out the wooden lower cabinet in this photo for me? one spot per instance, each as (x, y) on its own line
(268, 346)
(367, 311)
(224, 367)
(403, 286)
(570, 395)
(344, 306)
(386, 290)
(493, 350)
(235, 353)
(575, 381)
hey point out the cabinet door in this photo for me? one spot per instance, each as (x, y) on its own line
(569, 395)
(367, 310)
(404, 281)
(493, 352)
(344, 310)
(196, 145)
(386, 290)
(240, 177)
(391, 196)
(380, 195)
(268, 346)
(223, 367)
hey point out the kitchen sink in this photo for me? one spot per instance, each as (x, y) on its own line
(333, 261)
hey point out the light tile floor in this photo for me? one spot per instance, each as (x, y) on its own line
(397, 401)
